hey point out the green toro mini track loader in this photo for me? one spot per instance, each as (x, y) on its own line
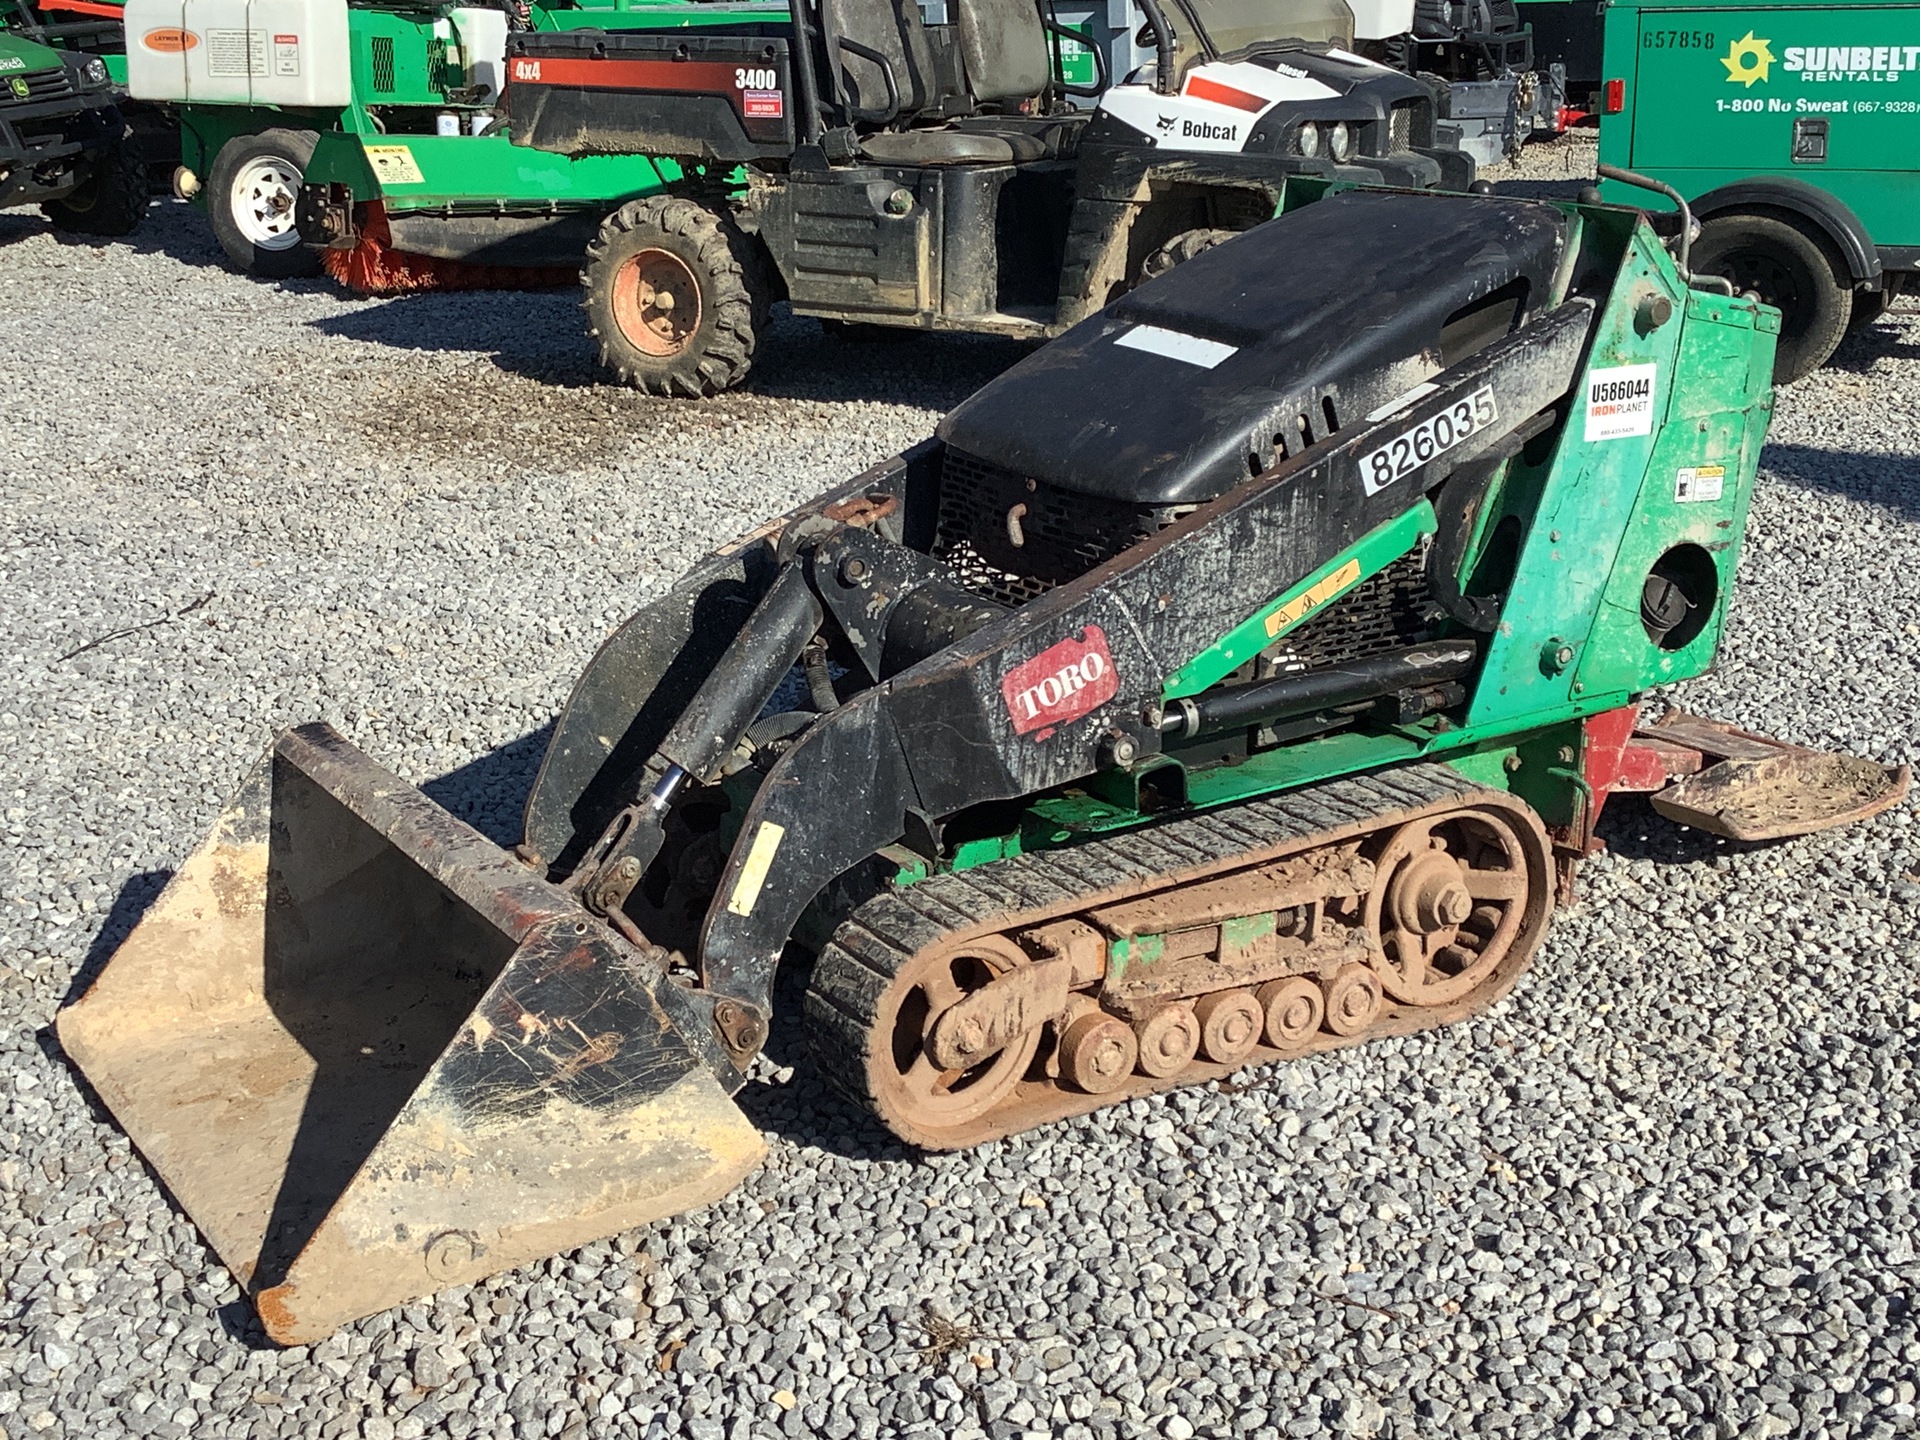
(1238, 678)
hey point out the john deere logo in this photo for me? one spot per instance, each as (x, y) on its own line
(1747, 60)
(19, 87)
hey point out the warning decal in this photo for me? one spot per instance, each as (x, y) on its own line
(1620, 401)
(764, 104)
(394, 165)
(1699, 482)
(1312, 598)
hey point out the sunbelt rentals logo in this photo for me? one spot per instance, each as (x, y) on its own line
(1747, 60)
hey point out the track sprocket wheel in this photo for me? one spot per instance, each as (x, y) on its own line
(1449, 900)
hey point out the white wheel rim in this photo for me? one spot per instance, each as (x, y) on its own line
(262, 202)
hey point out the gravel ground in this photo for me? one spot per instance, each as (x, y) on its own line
(1664, 1189)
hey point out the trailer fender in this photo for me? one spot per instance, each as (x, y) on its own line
(1831, 215)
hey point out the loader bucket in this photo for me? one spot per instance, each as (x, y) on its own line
(373, 1055)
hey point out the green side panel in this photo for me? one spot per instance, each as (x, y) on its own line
(205, 128)
(1696, 494)
(401, 59)
(21, 56)
(1374, 551)
(117, 68)
(481, 170)
(1590, 494)
(341, 159)
(1714, 96)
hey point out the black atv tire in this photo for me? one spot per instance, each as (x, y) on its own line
(113, 200)
(249, 225)
(1790, 268)
(1182, 247)
(669, 247)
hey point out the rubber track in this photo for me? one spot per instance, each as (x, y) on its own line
(870, 947)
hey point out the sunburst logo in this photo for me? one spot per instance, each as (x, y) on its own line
(1747, 60)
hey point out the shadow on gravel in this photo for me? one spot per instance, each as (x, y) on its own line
(1870, 344)
(541, 335)
(1634, 830)
(1874, 477)
(136, 897)
(490, 793)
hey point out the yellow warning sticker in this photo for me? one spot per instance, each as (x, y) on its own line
(746, 890)
(394, 165)
(1312, 598)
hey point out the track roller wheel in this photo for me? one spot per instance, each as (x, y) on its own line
(1098, 1052)
(1230, 1025)
(1169, 1039)
(1293, 1009)
(1352, 999)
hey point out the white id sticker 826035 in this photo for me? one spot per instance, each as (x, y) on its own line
(1434, 436)
(1620, 401)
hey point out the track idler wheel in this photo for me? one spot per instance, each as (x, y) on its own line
(1449, 901)
(906, 1082)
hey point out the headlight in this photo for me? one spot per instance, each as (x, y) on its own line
(1307, 140)
(1340, 142)
(95, 70)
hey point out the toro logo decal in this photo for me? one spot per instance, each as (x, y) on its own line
(1061, 683)
(170, 42)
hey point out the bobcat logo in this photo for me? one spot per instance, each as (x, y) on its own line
(1166, 123)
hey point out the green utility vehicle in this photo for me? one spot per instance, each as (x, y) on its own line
(1790, 130)
(64, 145)
(389, 108)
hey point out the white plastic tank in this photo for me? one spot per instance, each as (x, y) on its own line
(239, 52)
(483, 47)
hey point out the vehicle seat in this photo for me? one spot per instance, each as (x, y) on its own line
(888, 27)
(1004, 48)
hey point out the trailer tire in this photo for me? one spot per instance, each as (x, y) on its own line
(251, 189)
(668, 248)
(113, 201)
(1790, 268)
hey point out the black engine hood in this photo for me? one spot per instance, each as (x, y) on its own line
(1190, 384)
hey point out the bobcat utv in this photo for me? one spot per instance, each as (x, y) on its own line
(936, 177)
(1262, 707)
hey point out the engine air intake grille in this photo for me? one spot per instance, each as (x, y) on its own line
(1400, 127)
(383, 64)
(1009, 539)
(1389, 611)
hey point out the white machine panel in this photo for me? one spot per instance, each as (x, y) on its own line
(239, 52)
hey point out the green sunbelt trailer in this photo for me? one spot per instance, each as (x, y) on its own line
(1791, 131)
